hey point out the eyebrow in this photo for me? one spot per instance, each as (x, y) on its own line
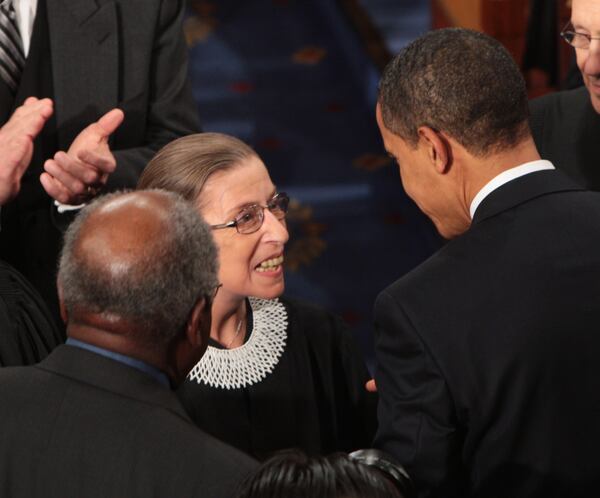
(243, 205)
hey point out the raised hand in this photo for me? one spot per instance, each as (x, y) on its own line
(16, 143)
(75, 176)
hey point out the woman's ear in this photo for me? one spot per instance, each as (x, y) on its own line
(437, 147)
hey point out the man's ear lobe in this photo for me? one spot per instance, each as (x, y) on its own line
(61, 303)
(194, 324)
(438, 148)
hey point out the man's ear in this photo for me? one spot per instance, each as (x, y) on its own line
(438, 148)
(197, 324)
(61, 303)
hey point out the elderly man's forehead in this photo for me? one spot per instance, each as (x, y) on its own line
(585, 15)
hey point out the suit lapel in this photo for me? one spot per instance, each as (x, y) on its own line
(521, 190)
(84, 43)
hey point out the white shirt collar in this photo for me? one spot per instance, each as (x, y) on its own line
(25, 12)
(505, 177)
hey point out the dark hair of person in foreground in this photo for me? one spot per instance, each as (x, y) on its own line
(292, 474)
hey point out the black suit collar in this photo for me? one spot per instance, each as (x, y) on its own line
(110, 375)
(521, 190)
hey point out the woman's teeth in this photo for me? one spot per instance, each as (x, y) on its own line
(270, 264)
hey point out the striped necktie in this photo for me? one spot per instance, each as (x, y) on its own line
(12, 58)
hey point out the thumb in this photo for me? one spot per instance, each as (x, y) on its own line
(110, 122)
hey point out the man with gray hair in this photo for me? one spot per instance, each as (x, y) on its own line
(566, 124)
(488, 351)
(98, 417)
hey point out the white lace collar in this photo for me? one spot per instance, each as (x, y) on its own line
(254, 360)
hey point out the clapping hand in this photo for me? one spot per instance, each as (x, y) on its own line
(75, 176)
(16, 143)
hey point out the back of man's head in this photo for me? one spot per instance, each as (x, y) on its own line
(143, 259)
(460, 82)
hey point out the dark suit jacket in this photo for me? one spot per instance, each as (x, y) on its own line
(82, 425)
(104, 54)
(121, 53)
(566, 130)
(488, 353)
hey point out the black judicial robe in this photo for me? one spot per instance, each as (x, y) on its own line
(566, 130)
(314, 399)
(27, 329)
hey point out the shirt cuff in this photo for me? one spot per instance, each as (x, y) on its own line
(65, 208)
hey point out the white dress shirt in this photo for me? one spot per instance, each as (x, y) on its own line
(25, 15)
(505, 177)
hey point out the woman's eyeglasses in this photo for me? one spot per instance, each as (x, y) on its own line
(251, 218)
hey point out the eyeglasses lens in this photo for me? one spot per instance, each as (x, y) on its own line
(577, 40)
(279, 205)
(249, 220)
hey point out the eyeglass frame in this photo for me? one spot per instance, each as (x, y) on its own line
(261, 213)
(216, 290)
(565, 32)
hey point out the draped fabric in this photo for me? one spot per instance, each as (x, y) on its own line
(27, 329)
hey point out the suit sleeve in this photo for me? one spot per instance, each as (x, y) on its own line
(358, 419)
(171, 111)
(416, 416)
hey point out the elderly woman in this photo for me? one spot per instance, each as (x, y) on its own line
(278, 373)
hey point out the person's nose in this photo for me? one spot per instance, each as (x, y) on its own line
(274, 228)
(591, 66)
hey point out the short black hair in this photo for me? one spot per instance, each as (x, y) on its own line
(458, 81)
(291, 474)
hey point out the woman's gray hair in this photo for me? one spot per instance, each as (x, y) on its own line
(184, 165)
(158, 291)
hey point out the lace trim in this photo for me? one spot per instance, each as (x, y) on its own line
(254, 360)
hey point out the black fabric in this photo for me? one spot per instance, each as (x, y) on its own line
(27, 330)
(28, 239)
(314, 399)
(566, 130)
(541, 44)
(82, 425)
(7, 99)
(488, 352)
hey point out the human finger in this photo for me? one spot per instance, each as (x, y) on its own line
(73, 184)
(28, 119)
(105, 126)
(84, 172)
(55, 189)
(111, 121)
(102, 161)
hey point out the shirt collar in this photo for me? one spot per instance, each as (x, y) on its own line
(150, 370)
(507, 176)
